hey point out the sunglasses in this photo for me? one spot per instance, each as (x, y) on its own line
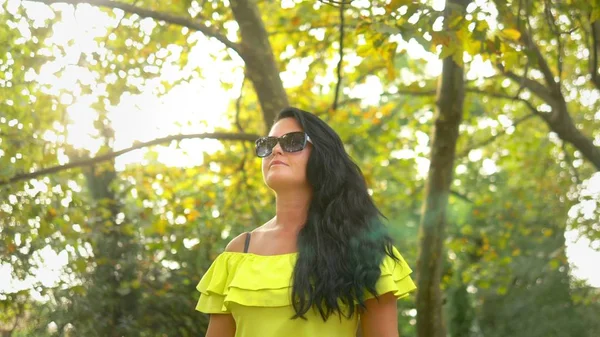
(290, 142)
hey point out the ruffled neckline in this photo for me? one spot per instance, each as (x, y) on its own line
(266, 280)
(260, 255)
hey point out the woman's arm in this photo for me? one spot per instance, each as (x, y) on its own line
(223, 325)
(380, 319)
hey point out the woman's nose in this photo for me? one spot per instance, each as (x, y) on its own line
(277, 149)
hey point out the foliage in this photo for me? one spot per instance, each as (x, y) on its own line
(137, 238)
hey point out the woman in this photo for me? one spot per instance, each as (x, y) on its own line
(325, 253)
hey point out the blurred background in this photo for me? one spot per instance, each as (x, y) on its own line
(127, 164)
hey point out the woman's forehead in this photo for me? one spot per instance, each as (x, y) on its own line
(284, 126)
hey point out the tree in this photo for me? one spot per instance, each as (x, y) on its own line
(174, 220)
(449, 113)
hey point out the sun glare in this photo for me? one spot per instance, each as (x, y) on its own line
(194, 107)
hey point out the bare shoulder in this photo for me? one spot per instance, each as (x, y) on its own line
(237, 243)
(264, 227)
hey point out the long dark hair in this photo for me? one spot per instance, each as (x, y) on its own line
(344, 240)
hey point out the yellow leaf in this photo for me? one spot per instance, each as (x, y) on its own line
(438, 38)
(472, 47)
(462, 35)
(389, 63)
(386, 109)
(160, 227)
(511, 34)
(510, 60)
(51, 213)
(364, 50)
(193, 215)
(188, 202)
(457, 57)
(482, 26)
(455, 20)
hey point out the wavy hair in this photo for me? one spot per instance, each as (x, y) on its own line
(344, 240)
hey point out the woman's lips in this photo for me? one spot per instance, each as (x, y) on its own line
(278, 162)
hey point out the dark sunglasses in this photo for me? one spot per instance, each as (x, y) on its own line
(290, 142)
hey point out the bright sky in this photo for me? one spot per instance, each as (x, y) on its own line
(197, 107)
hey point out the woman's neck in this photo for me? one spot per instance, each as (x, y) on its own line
(291, 210)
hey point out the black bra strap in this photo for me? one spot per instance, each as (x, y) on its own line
(247, 242)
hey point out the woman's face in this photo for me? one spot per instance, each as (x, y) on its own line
(285, 169)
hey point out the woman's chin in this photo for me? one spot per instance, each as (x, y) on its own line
(273, 181)
(279, 181)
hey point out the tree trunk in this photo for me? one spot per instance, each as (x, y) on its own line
(117, 249)
(595, 53)
(109, 280)
(430, 322)
(261, 67)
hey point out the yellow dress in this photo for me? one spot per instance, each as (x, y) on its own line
(256, 291)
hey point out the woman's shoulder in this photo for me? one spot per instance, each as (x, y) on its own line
(245, 278)
(236, 245)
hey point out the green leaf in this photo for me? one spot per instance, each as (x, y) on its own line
(448, 51)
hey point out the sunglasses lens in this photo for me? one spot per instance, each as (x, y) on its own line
(293, 142)
(264, 146)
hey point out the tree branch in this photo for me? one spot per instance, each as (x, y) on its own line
(160, 16)
(512, 98)
(409, 92)
(534, 86)
(111, 155)
(491, 93)
(465, 152)
(560, 122)
(242, 167)
(472, 90)
(527, 39)
(551, 21)
(238, 106)
(460, 196)
(594, 49)
(550, 93)
(339, 65)
(569, 161)
(334, 2)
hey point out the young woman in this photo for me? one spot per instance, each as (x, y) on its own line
(323, 263)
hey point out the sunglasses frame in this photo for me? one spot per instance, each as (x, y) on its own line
(278, 141)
